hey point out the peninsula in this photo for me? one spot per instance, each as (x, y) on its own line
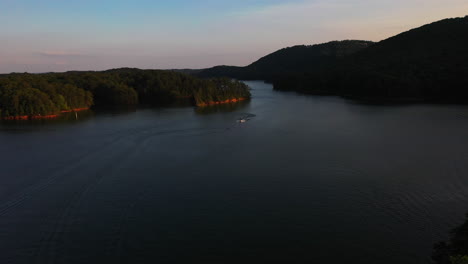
(36, 96)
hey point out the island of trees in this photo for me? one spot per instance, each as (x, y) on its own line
(424, 64)
(29, 96)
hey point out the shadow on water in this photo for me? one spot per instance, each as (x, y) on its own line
(64, 118)
(303, 177)
(222, 108)
(17, 126)
(115, 110)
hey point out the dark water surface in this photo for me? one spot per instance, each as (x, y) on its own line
(306, 180)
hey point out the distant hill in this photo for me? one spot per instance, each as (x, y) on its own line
(429, 63)
(289, 60)
(426, 63)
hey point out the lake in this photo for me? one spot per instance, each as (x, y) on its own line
(307, 179)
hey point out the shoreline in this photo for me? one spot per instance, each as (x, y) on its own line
(228, 101)
(37, 117)
(53, 116)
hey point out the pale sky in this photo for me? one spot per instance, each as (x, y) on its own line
(58, 35)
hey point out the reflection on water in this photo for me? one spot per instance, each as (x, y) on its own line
(82, 116)
(222, 108)
(62, 118)
(32, 125)
(306, 180)
(115, 110)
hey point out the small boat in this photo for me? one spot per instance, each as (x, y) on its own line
(244, 118)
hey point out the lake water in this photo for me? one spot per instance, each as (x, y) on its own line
(306, 180)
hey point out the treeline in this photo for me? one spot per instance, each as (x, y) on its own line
(51, 93)
(424, 64)
(427, 63)
(301, 58)
(38, 95)
(455, 251)
(220, 90)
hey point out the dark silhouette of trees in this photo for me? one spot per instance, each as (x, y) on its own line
(423, 64)
(289, 60)
(426, 63)
(456, 250)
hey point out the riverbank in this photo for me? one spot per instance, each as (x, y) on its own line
(36, 117)
(228, 101)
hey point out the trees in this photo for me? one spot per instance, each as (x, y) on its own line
(456, 250)
(220, 90)
(41, 94)
(426, 63)
(289, 60)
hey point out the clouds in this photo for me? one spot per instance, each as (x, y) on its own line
(62, 54)
(314, 21)
(196, 34)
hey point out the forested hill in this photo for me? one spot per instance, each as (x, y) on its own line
(38, 95)
(426, 63)
(289, 60)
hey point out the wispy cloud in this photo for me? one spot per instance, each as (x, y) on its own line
(63, 54)
(321, 20)
(203, 33)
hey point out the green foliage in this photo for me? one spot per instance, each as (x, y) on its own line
(221, 89)
(24, 97)
(40, 94)
(29, 101)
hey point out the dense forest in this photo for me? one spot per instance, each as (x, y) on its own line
(427, 63)
(456, 250)
(289, 60)
(424, 64)
(40, 95)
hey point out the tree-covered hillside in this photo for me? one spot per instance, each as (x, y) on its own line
(35, 95)
(290, 60)
(426, 63)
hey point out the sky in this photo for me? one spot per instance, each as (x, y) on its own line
(62, 35)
